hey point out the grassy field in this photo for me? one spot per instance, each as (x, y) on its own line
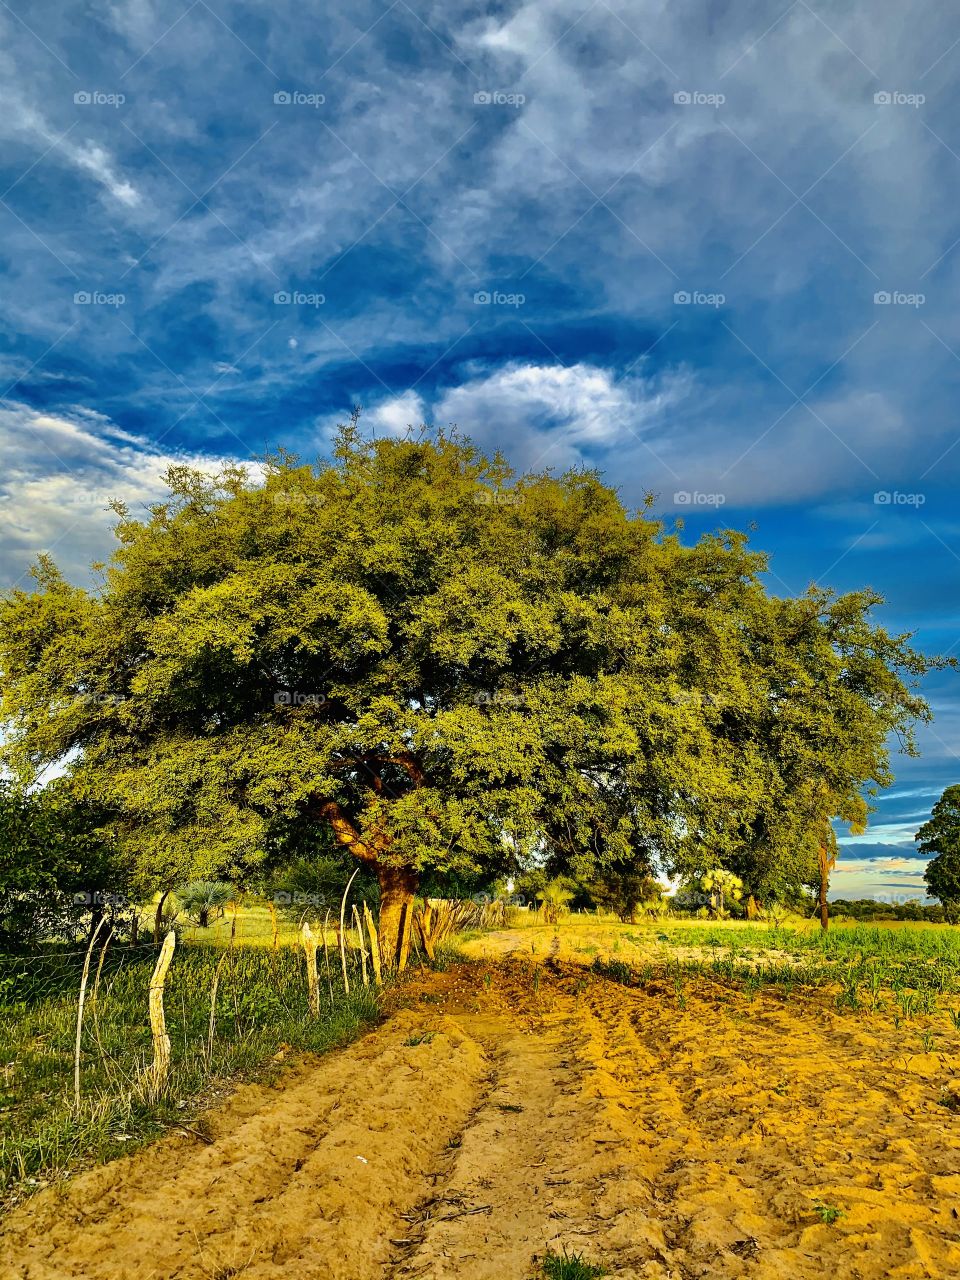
(254, 926)
(261, 1011)
(907, 968)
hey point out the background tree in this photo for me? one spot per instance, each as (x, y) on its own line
(60, 869)
(555, 898)
(939, 839)
(837, 692)
(452, 670)
(626, 890)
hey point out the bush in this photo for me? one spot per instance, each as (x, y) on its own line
(59, 872)
(555, 898)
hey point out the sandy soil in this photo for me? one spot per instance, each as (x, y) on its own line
(501, 1109)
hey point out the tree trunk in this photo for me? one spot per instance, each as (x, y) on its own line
(96, 918)
(158, 918)
(398, 886)
(824, 886)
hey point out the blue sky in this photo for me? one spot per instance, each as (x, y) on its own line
(710, 248)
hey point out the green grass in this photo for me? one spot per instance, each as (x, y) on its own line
(570, 1266)
(904, 967)
(895, 942)
(261, 1004)
(254, 927)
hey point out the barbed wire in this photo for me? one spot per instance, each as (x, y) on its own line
(29, 956)
(119, 949)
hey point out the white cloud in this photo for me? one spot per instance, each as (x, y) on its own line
(883, 833)
(60, 472)
(393, 417)
(19, 119)
(98, 164)
(137, 21)
(666, 431)
(552, 415)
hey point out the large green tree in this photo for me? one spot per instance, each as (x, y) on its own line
(939, 840)
(450, 668)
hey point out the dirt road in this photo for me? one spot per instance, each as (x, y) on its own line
(502, 1110)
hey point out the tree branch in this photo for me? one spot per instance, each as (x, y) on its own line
(345, 833)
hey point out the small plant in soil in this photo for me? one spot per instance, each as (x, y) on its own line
(827, 1213)
(424, 1038)
(569, 1266)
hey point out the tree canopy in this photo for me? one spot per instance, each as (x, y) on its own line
(452, 669)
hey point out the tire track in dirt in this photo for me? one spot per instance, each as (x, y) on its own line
(529, 1168)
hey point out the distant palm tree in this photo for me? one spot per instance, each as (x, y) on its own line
(200, 898)
(554, 898)
(719, 883)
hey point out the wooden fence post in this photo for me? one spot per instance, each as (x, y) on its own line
(374, 945)
(424, 921)
(158, 917)
(213, 1008)
(343, 948)
(158, 1026)
(363, 950)
(310, 949)
(326, 956)
(96, 988)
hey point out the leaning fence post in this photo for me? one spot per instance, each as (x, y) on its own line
(310, 950)
(374, 945)
(213, 1008)
(326, 956)
(363, 950)
(96, 988)
(343, 949)
(158, 1026)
